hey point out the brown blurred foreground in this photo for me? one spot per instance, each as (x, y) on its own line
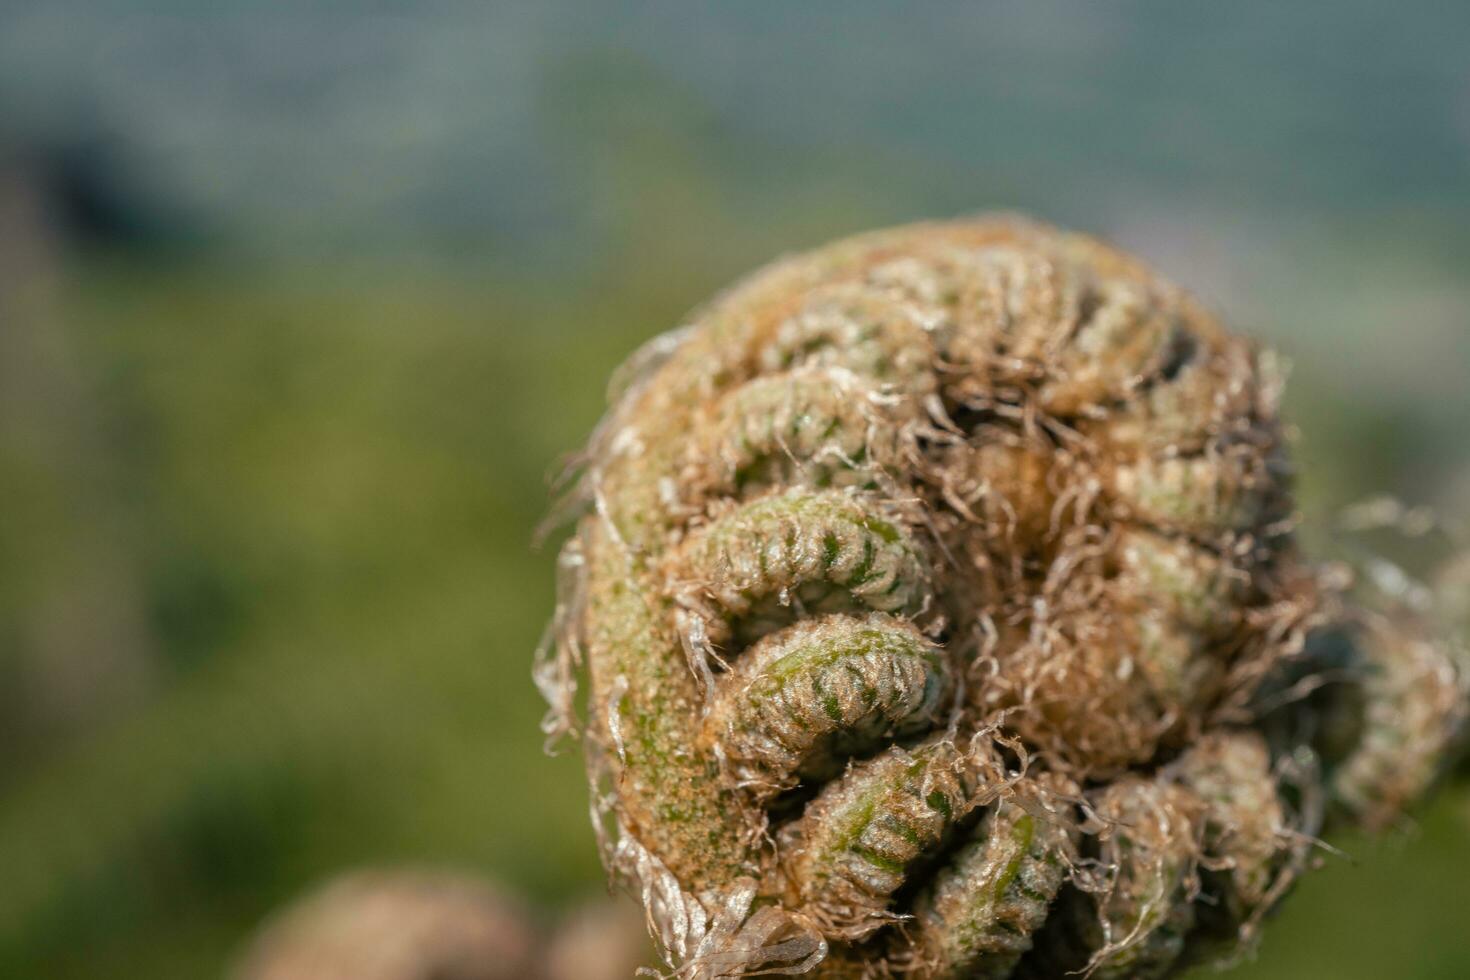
(416, 924)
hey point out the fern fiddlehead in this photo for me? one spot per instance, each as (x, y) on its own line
(930, 590)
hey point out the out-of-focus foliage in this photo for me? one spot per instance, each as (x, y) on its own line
(299, 308)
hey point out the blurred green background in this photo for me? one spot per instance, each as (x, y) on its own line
(301, 302)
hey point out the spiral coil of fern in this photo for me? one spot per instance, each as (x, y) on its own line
(931, 589)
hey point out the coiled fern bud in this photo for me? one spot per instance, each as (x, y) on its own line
(935, 589)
